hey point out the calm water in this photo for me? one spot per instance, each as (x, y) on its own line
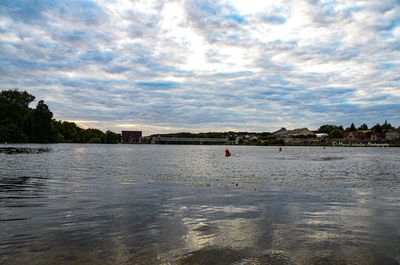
(159, 204)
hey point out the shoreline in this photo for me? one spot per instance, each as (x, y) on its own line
(380, 145)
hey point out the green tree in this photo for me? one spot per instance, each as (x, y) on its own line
(377, 128)
(352, 127)
(20, 123)
(14, 113)
(336, 133)
(110, 138)
(329, 128)
(11, 133)
(363, 127)
(386, 126)
(42, 121)
(70, 131)
(56, 134)
(326, 128)
(92, 136)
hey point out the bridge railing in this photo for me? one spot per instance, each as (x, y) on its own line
(189, 140)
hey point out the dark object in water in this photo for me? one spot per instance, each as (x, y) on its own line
(209, 256)
(330, 158)
(280, 149)
(24, 150)
(227, 152)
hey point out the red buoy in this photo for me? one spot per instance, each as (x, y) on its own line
(227, 152)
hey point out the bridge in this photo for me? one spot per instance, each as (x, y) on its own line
(188, 140)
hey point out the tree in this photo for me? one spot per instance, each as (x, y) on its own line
(386, 126)
(71, 132)
(14, 104)
(42, 119)
(14, 112)
(10, 133)
(110, 138)
(353, 127)
(92, 136)
(56, 134)
(363, 127)
(336, 133)
(329, 128)
(326, 128)
(376, 128)
(20, 123)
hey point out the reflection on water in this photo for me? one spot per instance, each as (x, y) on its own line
(148, 204)
(24, 150)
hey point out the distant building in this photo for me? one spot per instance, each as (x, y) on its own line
(131, 137)
(364, 131)
(355, 136)
(322, 135)
(188, 140)
(392, 135)
(376, 136)
(282, 133)
(300, 132)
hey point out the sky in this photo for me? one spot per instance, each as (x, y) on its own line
(171, 66)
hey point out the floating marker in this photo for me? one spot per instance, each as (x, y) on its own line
(227, 152)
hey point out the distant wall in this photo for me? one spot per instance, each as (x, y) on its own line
(131, 137)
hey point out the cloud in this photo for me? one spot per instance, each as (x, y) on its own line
(209, 65)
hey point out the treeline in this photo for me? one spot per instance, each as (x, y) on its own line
(335, 131)
(21, 124)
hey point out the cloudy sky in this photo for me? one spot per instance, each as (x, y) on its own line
(167, 66)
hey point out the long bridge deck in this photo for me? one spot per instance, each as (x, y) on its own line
(187, 140)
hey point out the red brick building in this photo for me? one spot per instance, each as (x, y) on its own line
(131, 137)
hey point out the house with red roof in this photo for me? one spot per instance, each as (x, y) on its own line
(354, 136)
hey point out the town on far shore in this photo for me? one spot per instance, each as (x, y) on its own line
(378, 135)
(22, 123)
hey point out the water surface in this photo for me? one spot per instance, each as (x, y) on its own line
(162, 204)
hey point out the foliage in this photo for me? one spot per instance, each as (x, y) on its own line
(267, 136)
(377, 128)
(41, 124)
(11, 133)
(14, 115)
(387, 126)
(352, 128)
(19, 123)
(336, 133)
(329, 128)
(363, 127)
(110, 137)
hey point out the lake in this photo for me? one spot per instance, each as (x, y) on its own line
(165, 204)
